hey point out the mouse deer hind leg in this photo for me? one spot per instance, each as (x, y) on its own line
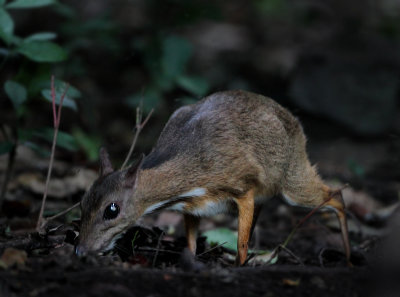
(245, 205)
(335, 201)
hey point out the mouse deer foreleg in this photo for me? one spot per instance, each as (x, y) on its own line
(191, 226)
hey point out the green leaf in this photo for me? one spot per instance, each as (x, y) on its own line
(193, 84)
(176, 54)
(37, 149)
(64, 139)
(29, 3)
(2, 2)
(89, 143)
(16, 92)
(42, 51)
(40, 36)
(62, 85)
(68, 101)
(6, 26)
(16, 40)
(39, 83)
(5, 147)
(223, 236)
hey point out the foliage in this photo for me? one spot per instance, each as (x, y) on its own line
(23, 85)
(222, 236)
(26, 86)
(166, 61)
(88, 143)
(36, 47)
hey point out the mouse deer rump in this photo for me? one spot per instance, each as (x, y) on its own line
(235, 138)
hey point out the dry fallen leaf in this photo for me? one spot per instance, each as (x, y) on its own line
(58, 187)
(291, 282)
(269, 257)
(12, 256)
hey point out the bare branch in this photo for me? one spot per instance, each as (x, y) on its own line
(301, 222)
(56, 120)
(139, 127)
(46, 220)
(53, 101)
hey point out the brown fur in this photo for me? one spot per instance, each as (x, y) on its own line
(235, 144)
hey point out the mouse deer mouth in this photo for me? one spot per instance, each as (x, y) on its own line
(108, 248)
(82, 250)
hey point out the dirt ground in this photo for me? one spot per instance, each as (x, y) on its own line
(151, 260)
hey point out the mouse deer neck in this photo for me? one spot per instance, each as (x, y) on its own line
(155, 186)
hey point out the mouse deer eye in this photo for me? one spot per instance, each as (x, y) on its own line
(111, 211)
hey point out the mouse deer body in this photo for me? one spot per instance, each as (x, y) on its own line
(230, 150)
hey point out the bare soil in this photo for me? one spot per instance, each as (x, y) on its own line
(150, 261)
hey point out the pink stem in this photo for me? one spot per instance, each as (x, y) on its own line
(60, 105)
(53, 100)
(53, 148)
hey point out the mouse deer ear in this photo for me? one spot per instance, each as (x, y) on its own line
(105, 163)
(132, 172)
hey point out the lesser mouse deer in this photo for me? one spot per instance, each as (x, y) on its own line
(232, 149)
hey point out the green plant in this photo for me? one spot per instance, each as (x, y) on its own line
(166, 60)
(36, 47)
(56, 125)
(25, 85)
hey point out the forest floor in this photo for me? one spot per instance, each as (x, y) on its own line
(151, 260)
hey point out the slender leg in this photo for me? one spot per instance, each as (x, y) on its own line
(338, 204)
(191, 225)
(245, 206)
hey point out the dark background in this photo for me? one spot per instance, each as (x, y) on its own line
(333, 63)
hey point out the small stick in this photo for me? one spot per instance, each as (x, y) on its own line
(301, 222)
(10, 162)
(46, 220)
(56, 121)
(291, 254)
(158, 248)
(139, 127)
(149, 249)
(213, 248)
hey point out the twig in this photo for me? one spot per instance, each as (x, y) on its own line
(56, 120)
(158, 248)
(291, 254)
(139, 127)
(149, 249)
(45, 220)
(301, 222)
(10, 163)
(213, 248)
(7, 175)
(321, 257)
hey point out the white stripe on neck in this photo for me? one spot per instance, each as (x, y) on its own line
(196, 192)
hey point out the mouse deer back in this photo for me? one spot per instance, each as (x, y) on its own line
(231, 150)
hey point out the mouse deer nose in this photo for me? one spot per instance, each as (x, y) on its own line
(80, 251)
